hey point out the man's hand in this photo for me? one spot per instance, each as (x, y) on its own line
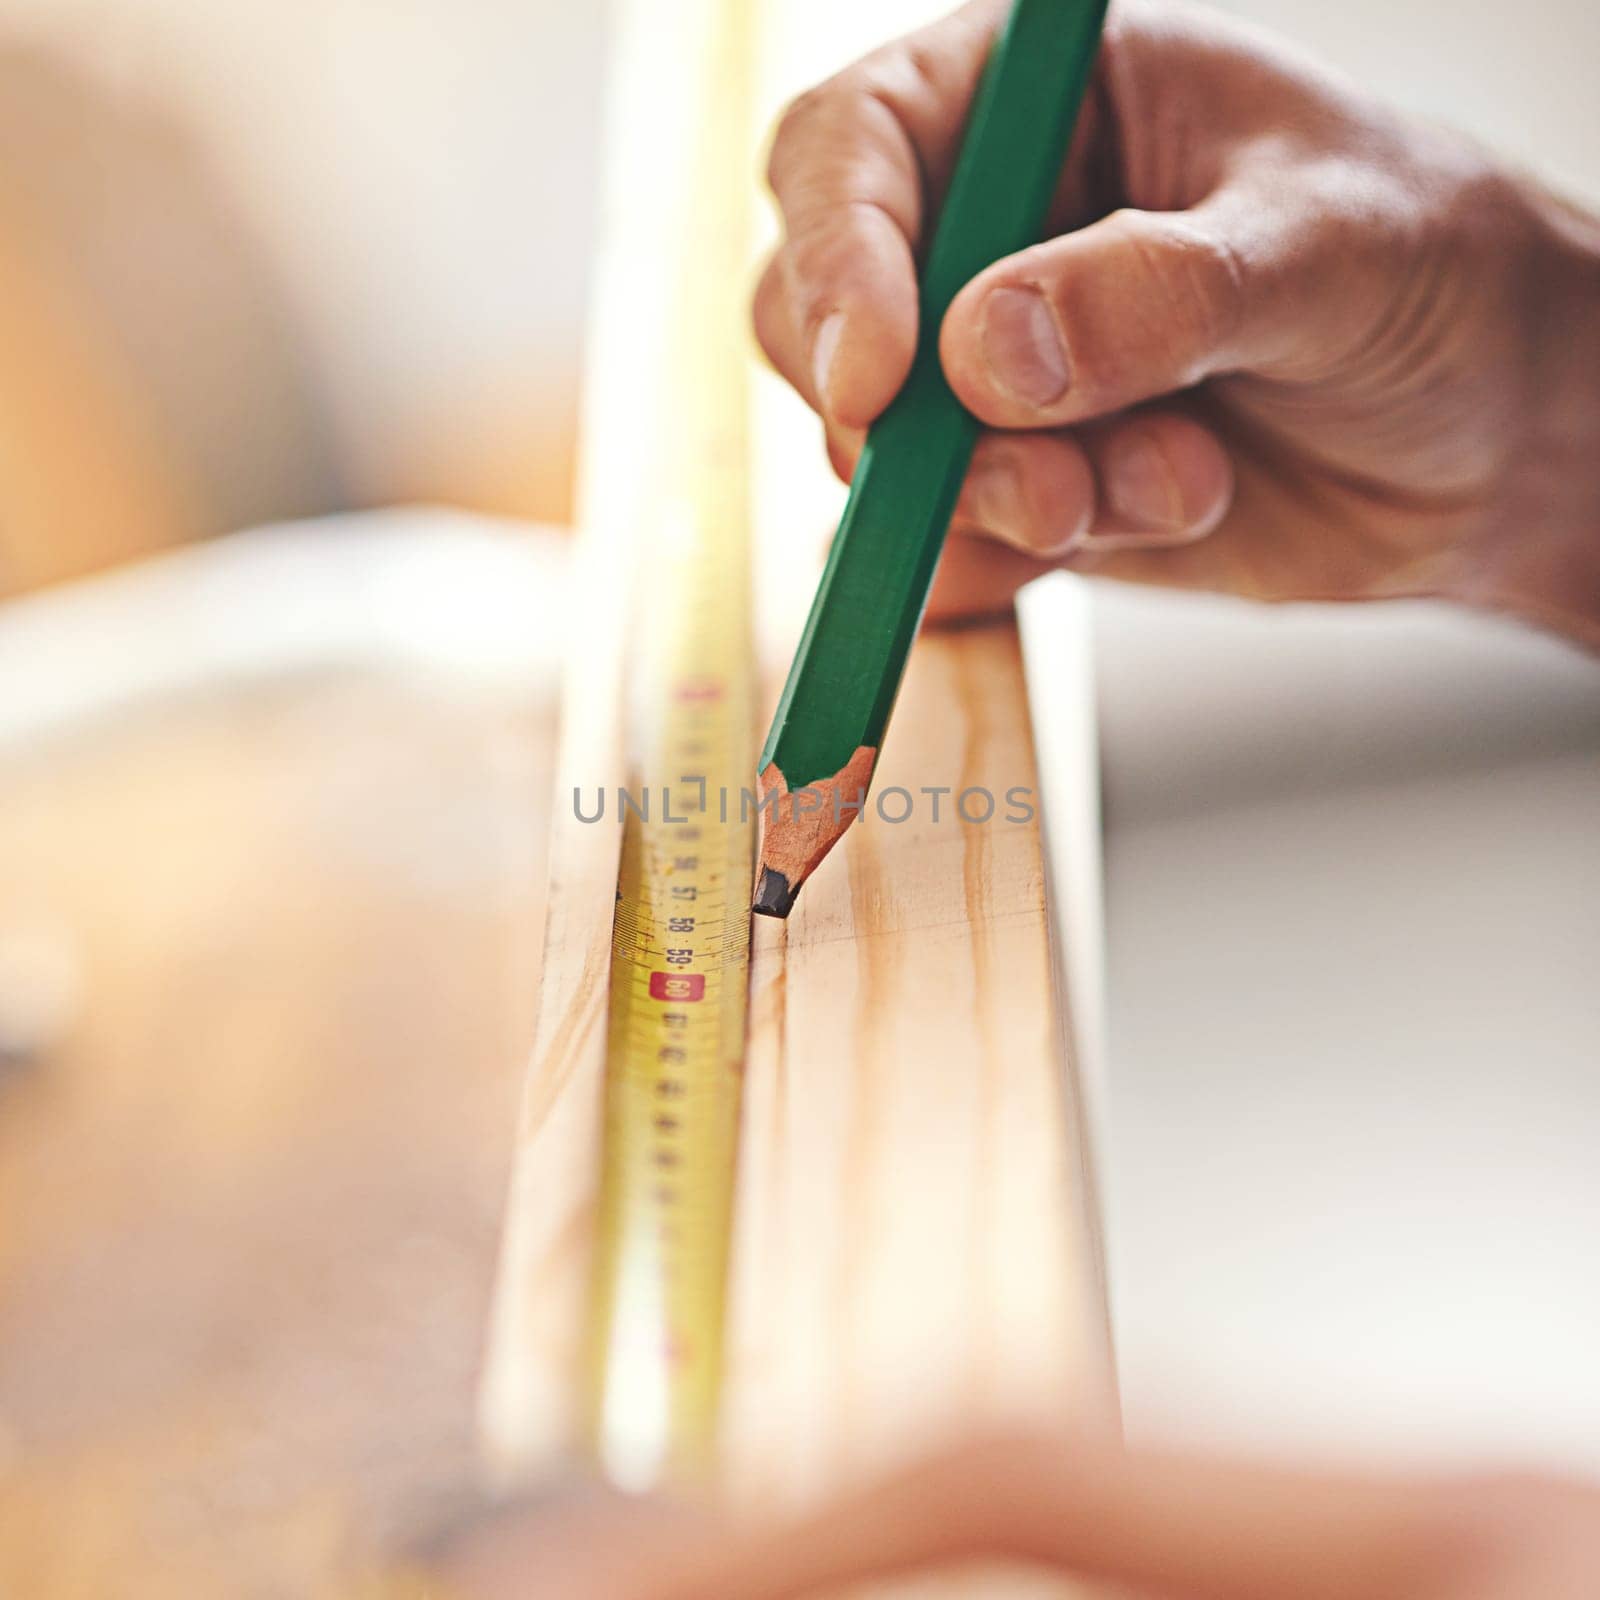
(1281, 340)
(1183, 1527)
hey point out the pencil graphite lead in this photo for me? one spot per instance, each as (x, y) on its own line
(774, 897)
(800, 826)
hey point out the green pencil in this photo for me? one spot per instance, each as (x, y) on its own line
(819, 757)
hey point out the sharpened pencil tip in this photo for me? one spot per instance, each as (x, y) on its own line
(774, 897)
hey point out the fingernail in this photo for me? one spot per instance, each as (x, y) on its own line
(1142, 485)
(997, 502)
(1023, 348)
(823, 347)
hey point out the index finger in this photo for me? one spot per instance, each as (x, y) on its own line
(1171, 1524)
(856, 167)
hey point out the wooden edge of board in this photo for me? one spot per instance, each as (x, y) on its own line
(1055, 620)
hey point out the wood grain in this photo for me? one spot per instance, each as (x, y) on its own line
(918, 1253)
(919, 1249)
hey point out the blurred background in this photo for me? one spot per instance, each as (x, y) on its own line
(270, 802)
(284, 259)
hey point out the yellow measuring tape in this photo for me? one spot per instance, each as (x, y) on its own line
(680, 947)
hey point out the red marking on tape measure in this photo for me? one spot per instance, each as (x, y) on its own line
(684, 986)
(700, 689)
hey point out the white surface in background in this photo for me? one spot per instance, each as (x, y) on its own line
(1519, 77)
(1213, 702)
(436, 590)
(1356, 1115)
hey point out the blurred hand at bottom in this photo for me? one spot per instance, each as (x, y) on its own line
(1185, 1527)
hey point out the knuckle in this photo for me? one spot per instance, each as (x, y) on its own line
(1192, 282)
(1215, 273)
(802, 112)
(837, 255)
(824, 252)
(904, 75)
(926, 67)
(808, 123)
(842, 150)
(767, 312)
(792, 136)
(1483, 217)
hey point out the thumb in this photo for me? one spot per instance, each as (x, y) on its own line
(1137, 305)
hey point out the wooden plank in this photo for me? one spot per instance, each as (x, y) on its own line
(919, 1246)
(918, 1255)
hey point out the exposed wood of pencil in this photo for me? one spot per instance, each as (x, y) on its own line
(799, 828)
